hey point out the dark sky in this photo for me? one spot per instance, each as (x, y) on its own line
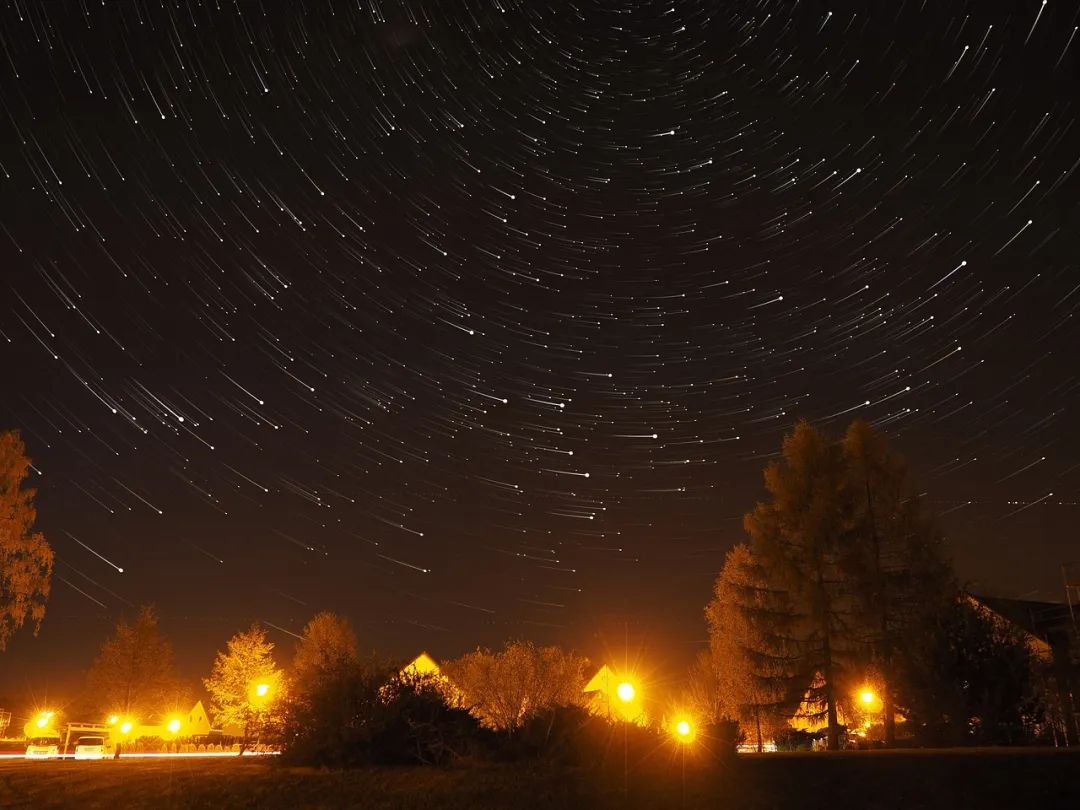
(474, 320)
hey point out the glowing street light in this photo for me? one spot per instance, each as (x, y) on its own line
(44, 719)
(174, 725)
(867, 697)
(682, 726)
(125, 727)
(625, 691)
(113, 719)
(262, 689)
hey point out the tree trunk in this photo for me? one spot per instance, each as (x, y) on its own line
(757, 722)
(833, 742)
(890, 715)
(887, 709)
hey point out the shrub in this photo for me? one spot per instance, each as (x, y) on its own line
(334, 722)
(368, 717)
(723, 738)
(794, 739)
(564, 734)
(148, 745)
(417, 726)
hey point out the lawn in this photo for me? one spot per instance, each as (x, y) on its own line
(871, 780)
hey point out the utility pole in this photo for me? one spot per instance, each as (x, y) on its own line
(1072, 598)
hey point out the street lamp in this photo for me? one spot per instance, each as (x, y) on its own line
(262, 689)
(625, 691)
(683, 730)
(867, 697)
(174, 725)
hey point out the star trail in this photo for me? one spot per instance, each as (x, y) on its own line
(475, 320)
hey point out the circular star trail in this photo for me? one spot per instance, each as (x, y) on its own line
(480, 319)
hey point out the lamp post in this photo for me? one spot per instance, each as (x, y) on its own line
(683, 731)
(626, 692)
(125, 729)
(871, 705)
(260, 691)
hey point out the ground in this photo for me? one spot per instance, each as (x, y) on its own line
(1043, 779)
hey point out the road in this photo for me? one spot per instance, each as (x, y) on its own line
(135, 755)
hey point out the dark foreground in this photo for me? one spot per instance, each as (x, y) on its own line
(1043, 779)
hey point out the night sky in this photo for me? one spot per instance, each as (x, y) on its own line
(476, 320)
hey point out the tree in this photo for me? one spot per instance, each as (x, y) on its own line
(26, 560)
(326, 649)
(503, 689)
(245, 684)
(845, 537)
(896, 566)
(748, 669)
(799, 539)
(133, 675)
(971, 676)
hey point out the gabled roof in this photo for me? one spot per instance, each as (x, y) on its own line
(602, 681)
(423, 664)
(1049, 620)
(1004, 612)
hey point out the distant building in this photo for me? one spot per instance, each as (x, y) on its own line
(198, 723)
(421, 666)
(1052, 636)
(615, 696)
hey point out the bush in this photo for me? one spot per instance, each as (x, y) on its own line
(148, 745)
(564, 734)
(417, 726)
(794, 739)
(371, 717)
(334, 721)
(723, 738)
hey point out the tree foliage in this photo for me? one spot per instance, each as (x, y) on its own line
(134, 674)
(26, 559)
(326, 649)
(798, 538)
(843, 535)
(972, 677)
(896, 568)
(746, 673)
(247, 662)
(502, 689)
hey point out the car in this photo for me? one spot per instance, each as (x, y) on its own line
(43, 748)
(90, 748)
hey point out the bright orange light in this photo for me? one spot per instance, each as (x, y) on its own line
(625, 691)
(113, 719)
(682, 728)
(262, 689)
(174, 726)
(867, 696)
(125, 728)
(42, 722)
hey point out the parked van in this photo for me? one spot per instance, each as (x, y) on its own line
(90, 748)
(43, 748)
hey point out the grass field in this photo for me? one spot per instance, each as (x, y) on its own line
(871, 780)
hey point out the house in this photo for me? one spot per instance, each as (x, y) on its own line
(615, 696)
(422, 666)
(1050, 629)
(198, 723)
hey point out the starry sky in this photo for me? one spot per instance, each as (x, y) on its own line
(479, 319)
